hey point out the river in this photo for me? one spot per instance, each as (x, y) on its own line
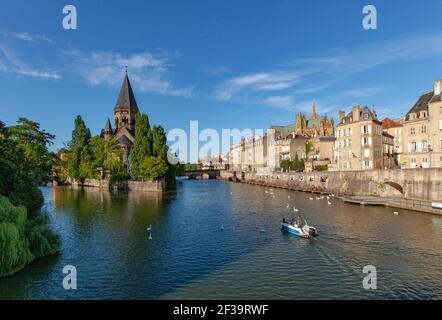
(222, 240)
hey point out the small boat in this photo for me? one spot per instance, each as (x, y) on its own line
(301, 230)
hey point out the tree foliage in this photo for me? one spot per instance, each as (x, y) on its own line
(22, 240)
(293, 165)
(80, 158)
(34, 143)
(153, 168)
(142, 147)
(17, 179)
(308, 148)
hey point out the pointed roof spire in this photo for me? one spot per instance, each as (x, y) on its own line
(108, 125)
(126, 99)
(314, 114)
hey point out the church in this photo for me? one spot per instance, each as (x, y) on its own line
(315, 126)
(125, 111)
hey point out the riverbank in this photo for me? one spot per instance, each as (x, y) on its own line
(417, 190)
(149, 186)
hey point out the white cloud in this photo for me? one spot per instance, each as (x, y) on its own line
(10, 62)
(148, 72)
(25, 36)
(257, 82)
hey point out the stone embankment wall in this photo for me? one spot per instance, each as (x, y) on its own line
(416, 184)
(153, 186)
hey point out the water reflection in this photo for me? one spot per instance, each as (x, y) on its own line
(190, 256)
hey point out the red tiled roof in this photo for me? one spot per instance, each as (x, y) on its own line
(387, 123)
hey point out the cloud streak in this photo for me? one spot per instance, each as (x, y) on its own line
(257, 82)
(148, 72)
(11, 63)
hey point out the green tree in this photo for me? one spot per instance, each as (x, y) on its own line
(153, 168)
(308, 148)
(80, 158)
(17, 180)
(107, 155)
(21, 239)
(159, 142)
(142, 147)
(34, 144)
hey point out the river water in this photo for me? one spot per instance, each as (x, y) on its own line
(220, 240)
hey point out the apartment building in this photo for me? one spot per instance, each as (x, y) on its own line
(422, 131)
(395, 129)
(388, 160)
(358, 144)
(435, 125)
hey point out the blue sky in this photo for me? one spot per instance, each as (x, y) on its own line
(227, 64)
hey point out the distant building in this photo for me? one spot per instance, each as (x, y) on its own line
(215, 162)
(125, 111)
(288, 142)
(315, 126)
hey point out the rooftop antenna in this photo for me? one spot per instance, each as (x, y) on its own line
(125, 68)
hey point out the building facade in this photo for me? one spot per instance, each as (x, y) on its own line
(358, 143)
(422, 131)
(395, 129)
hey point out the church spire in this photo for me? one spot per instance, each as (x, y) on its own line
(126, 99)
(314, 114)
(108, 125)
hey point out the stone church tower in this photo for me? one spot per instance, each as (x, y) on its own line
(125, 111)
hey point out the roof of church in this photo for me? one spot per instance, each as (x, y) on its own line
(108, 125)
(126, 99)
(284, 129)
(124, 141)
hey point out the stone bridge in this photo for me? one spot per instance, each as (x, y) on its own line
(202, 174)
(419, 184)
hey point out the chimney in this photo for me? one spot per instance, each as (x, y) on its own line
(356, 112)
(341, 115)
(437, 87)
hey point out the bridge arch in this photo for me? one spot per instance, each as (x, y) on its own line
(396, 186)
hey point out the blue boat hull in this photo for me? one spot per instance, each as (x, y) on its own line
(297, 231)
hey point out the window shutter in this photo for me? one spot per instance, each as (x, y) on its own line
(369, 128)
(369, 141)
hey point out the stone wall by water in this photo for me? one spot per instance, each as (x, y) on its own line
(154, 186)
(420, 184)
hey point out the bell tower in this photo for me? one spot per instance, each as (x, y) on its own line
(126, 107)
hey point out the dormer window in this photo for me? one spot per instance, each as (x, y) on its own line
(366, 116)
(423, 114)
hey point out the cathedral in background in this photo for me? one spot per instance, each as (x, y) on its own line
(315, 126)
